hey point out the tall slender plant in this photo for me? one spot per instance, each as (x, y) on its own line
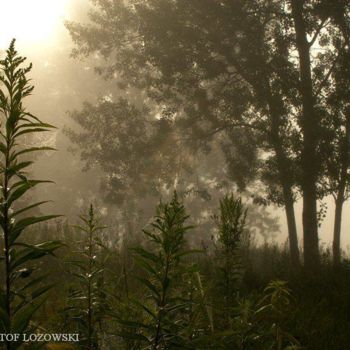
(18, 299)
(231, 227)
(88, 304)
(163, 326)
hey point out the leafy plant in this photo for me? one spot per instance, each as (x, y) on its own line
(276, 304)
(88, 299)
(164, 323)
(19, 299)
(263, 324)
(231, 230)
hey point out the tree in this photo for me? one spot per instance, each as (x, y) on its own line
(143, 158)
(231, 64)
(335, 125)
(208, 77)
(310, 127)
(120, 138)
(340, 177)
(19, 299)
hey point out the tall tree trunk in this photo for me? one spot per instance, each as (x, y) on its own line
(341, 21)
(337, 228)
(284, 171)
(340, 196)
(288, 198)
(309, 125)
(275, 110)
(292, 228)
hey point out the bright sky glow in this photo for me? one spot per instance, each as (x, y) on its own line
(29, 21)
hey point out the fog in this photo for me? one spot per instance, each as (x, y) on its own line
(63, 84)
(179, 178)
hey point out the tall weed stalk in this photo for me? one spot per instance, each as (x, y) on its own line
(231, 229)
(88, 299)
(19, 299)
(163, 325)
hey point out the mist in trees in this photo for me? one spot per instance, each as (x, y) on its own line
(204, 146)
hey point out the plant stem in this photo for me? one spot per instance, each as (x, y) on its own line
(162, 304)
(89, 287)
(6, 224)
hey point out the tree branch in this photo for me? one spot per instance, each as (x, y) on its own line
(324, 81)
(322, 25)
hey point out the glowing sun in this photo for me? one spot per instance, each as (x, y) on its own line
(29, 21)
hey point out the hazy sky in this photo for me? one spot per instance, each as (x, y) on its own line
(38, 26)
(31, 21)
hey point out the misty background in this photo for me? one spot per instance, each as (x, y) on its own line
(62, 85)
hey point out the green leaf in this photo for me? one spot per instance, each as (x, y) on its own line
(26, 222)
(146, 266)
(33, 125)
(34, 282)
(37, 119)
(34, 252)
(147, 255)
(20, 188)
(149, 285)
(2, 148)
(21, 319)
(14, 170)
(4, 321)
(29, 131)
(29, 150)
(20, 211)
(40, 291)
(144, 307)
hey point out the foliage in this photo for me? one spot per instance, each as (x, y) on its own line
(262, 324)
(88, 304)
(318, 307)
(23, 290)
(163, 324)
(231, 231)
(261, 87)
(118, 131)
(223, 68)
(203, 73)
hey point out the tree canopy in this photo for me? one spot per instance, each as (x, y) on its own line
(263, 68)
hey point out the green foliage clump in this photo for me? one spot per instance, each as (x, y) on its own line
(24, 289)
(263, 323)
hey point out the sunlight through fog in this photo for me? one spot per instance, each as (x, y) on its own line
(30, 22)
